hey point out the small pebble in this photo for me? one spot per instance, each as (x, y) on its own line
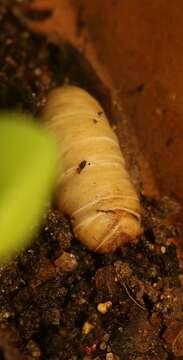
(103, 345)
(123, 270)
(34, 349)
(151, 247)
(163, 249)
(82, 301)
(37, 72)
(6, 315)
(110, 356)
(106, 337)
(104, 307)
(87, 327)
(108, 348)
(66, 262)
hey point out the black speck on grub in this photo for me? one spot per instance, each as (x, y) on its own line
(81, 166)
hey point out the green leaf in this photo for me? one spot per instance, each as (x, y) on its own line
(27, 176)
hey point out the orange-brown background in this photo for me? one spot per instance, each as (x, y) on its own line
(141, 45)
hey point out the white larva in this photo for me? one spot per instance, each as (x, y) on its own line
(95, 189)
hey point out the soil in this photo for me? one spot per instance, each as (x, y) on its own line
(57, 299)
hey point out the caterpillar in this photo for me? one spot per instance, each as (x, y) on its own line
(94, 187)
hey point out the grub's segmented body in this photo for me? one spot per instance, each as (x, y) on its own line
(95, 189)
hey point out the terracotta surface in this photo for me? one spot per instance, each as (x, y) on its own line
(139, 49)
(141, 45)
